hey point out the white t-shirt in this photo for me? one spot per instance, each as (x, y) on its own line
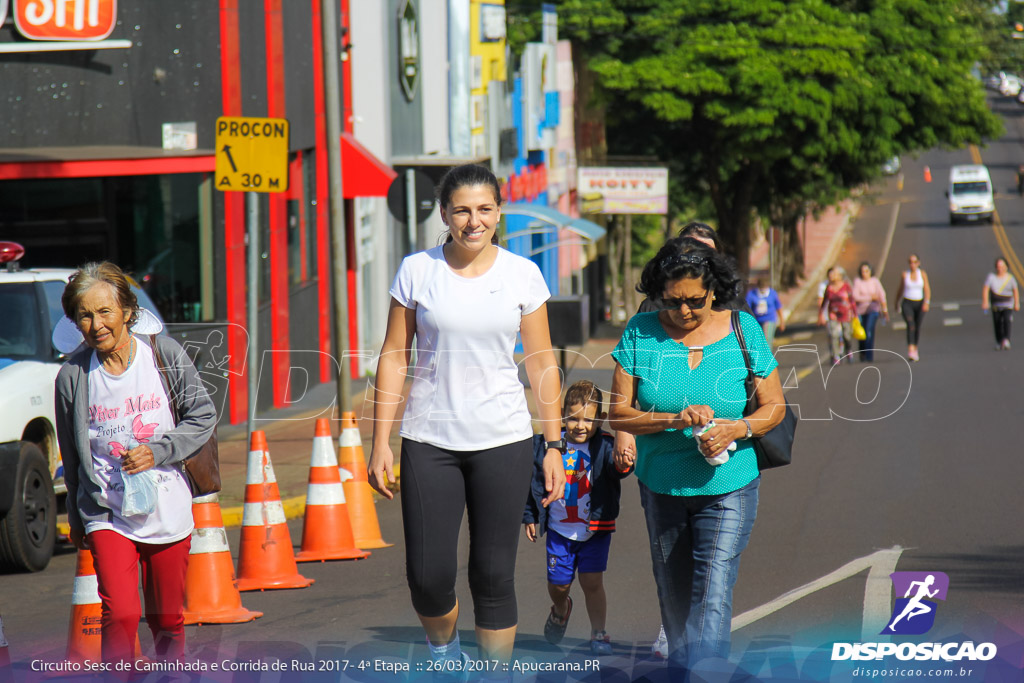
(124, 411)
(570, 516)
(466, 394)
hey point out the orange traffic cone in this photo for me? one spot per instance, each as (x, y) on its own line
(361, 510)
(326, 530)
(211, 592)
(265, 557)
(5, 657)
(927, 174)
(84, 637)
(84, 632)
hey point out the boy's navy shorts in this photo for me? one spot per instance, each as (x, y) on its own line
(566, 557)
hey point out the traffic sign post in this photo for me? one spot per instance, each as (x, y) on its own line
(252, 154)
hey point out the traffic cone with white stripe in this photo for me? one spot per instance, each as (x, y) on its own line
(5, 656)
(84, 638)
(358, 492)
(326, 530)
(211, 592)
(84, 632)
(265, 558)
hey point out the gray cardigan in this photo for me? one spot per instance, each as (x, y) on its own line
(196, 414)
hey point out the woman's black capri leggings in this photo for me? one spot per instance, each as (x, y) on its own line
(912, 315)
(437, 485)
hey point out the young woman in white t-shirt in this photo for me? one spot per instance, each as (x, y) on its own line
(466, 430)
(1001, 295)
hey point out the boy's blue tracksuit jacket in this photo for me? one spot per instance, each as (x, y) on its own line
(605, 485)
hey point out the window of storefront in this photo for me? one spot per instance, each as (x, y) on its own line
(302, 208)
(151, 226)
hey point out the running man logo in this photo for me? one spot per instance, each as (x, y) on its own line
(65, 19)
(914, 613)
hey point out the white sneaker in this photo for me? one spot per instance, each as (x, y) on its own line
(659, 648)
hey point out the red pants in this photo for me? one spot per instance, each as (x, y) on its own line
(117, 561)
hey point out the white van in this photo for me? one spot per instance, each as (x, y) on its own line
(970, 194)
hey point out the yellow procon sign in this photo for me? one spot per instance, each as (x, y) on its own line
(252, 154)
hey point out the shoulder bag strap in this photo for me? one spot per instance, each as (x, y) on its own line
(748, 382)
(159, 361)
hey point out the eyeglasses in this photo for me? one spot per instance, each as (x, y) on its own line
(914, 260)
(694, 303)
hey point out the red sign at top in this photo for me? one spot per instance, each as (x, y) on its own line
(65, 19)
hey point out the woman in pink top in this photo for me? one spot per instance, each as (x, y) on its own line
(837, 310)
(869, 297)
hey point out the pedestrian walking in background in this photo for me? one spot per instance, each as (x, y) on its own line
(837, 312)
(913, 296)
(869, 297)
(1020, 180)
(1000, 293)
(763, 300)
(115, 424)
(467, 437)
(579, 525)
(677, 367)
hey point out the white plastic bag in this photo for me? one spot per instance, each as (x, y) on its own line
(139, 493)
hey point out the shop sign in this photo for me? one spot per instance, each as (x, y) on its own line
(623, 190)
(63, 19)
(252, 154)
(409, 50)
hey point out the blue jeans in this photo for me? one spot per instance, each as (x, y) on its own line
(696, 543)
(867, 346)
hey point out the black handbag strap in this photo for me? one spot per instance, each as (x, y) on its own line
(159, 362)
(748, 381)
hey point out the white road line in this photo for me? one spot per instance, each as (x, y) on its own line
(951, 306)
(800, 336)
(888, 240)
(952, 322)
(876, 597)
(899, 325)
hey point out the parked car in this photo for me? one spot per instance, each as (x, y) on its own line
(32, 490)
(1009, 85)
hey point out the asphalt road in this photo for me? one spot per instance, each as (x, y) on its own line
(898, 467)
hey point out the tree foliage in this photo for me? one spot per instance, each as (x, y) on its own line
(770, 106)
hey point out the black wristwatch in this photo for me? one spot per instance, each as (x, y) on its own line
(557, 445)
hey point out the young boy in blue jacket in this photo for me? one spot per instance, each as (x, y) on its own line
(580, 524)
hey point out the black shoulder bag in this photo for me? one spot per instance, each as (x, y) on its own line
(775, 448)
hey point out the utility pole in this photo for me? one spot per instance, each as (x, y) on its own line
(339, 259)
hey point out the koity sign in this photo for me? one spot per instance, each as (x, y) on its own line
(67, 20)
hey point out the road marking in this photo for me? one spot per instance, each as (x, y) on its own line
(888, 239)
(877, 591)
(899, 325)
(951, 306)
(1001, 237)
(800, 336)
(952, 322)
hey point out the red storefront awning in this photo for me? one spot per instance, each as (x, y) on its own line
(362, 174)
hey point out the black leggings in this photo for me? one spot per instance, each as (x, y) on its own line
(1002, 318)
(913, 315)
(437, 485)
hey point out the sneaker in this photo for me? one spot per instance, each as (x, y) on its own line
(456, 672)
(1006, 344)
(913, 355)
(554, 627)
(999, 347)
(601, 644)
(659, 648)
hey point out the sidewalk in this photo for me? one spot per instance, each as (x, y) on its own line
(290, 431)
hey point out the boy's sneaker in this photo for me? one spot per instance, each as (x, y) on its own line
(554, 627)
(659, 648)
(601, 644)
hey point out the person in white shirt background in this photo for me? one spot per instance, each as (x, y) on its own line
(466, 429)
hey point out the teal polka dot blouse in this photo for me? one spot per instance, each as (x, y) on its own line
(668, 462)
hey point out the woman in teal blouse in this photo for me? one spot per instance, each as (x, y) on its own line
(683, 367)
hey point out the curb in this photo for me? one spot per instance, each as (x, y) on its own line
(818, 274)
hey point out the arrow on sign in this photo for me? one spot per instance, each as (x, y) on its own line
(227, 150)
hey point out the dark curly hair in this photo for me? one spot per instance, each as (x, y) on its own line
(685, 257)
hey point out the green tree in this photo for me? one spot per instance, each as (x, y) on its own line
(768, 106)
